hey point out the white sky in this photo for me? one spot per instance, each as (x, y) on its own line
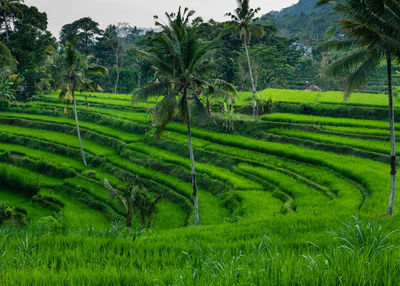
(139, 12)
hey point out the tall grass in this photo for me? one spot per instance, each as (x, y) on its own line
(267, 252)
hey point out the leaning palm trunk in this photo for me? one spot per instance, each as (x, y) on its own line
(6, 24)
(251, 79)
(194, 183)
(77, 124)
(392, 138)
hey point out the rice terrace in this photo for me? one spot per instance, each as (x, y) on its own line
(244, 147)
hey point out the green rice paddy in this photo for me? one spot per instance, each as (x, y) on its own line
(277, 205)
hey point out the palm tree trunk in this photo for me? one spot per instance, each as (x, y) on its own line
(208, 106)
(392, 138)
(5, 23)
(116, 82)
(194, 183)
(128, 219)
(77, 124)
(251, 79)
(143, 222)
(118, 71)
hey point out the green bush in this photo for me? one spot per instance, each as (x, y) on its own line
(15, 216)
(4, 104)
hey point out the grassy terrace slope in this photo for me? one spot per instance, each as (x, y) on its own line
(336, 97)
(264, 191)
(291, 159)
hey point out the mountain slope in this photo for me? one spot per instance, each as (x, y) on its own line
(302, 20)
(303, 6)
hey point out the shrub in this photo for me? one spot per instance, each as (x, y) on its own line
(15, 216)
(4, 104)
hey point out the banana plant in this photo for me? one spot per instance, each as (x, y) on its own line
(135, 200)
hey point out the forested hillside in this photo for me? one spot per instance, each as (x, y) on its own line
(302, 7)
(310, 25)
(302, 20)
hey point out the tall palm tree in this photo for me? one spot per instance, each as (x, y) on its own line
(74, 72)
(179, 57)
(7, 7)
(372, 36)
(244, 16)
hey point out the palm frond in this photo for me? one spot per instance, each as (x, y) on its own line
(99, 70)
(221, 88)
(338, 45)
(154, 88)
(164, 113)
(114, 193)
(347, 63)
(181, 107)
(65, 93)
(198, 109)
(360, 76)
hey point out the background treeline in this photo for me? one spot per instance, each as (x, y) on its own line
(277, 62)
(284, 50)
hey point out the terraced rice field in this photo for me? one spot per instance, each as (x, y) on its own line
(331, 97)
(294, 158)
(305, 173)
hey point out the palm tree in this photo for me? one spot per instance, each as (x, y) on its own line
(244, 16)
(372, 36)
(134, 199)
(180, 58)
(7, 7)
(74, 76)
